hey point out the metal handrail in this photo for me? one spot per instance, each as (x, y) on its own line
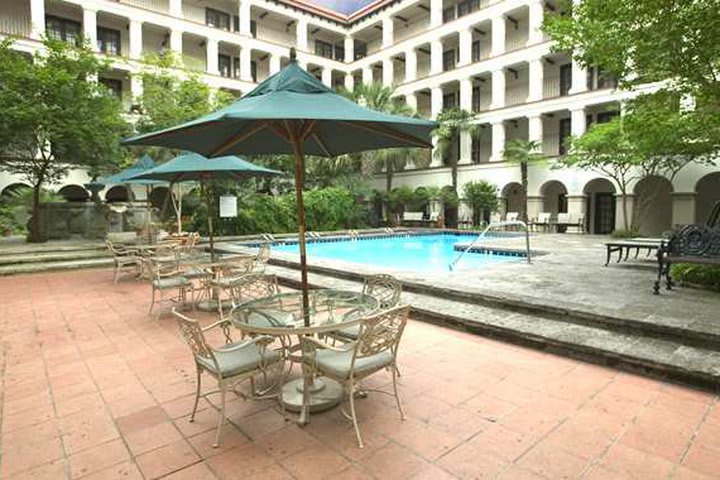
(452, 264)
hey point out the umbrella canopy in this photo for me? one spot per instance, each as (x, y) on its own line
(194, 167)
(293, 112)
(143, 164)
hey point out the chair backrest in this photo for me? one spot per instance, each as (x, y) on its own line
(252, 286)
(381, 332)
(385, 288)
(511, 216)
(544, 217)
(564, 218)
(238, 265)
(195, 338)
(263, 254)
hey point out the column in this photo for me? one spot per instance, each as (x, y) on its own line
(683, 208)
(367, 75)
(388, 32)
(326, 76)
(136, 87)
(498, 89)
(302, 36)
(498, 141)
(410, 65)
(90, 27)
(498, 36)
(244, 17)
(576, 205)
(135, 29)
(274, 64)
(176, 8)
(349, 82)
(388, 72)
(436, 56)
(577, 122)
(349, 50)
(536, 13)
(534, 206)
(579, 78)
(411, 100)
(37, 19)
(436, 8)
(465, 41)
(245, 64)
(176, 41)
(466, 104)
(535, 129)
(211, 50)
(536, 81)
(436, 105)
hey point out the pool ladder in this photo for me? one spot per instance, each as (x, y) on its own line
(452, 264)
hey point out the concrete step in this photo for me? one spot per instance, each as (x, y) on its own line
(47, 266)
(52, 256)
(646, 353)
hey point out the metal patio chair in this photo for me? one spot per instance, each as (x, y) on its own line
(124, 257)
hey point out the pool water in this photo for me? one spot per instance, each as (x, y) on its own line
(422, 253)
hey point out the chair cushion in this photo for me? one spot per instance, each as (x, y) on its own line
(349, 332)
(338, 363)
(194, 272)
(170, 282)
(238, 361)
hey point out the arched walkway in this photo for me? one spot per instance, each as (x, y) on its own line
(511, 197)
(74, 193)
(118, 193)
(601, 204)
(14, 188)
(554, 195)
(708, 194)
(653, 205)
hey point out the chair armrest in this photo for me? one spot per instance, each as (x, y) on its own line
(219, 323)
(325, 346)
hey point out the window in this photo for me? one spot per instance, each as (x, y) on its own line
(224, 65)
(236, 67)
(323, 49)
(253, 70)
(217, 19)
(463, 8)
(253, 28)
(62, 29)
(476, 99)
(448, 14)
(340, 53)
(565, 79)
(474, 5)
(475, 151)
(448, 60)
(476, 51)
(360, 50)
(108, 41)
(604, 117)
(114, 85)
(564, 134)
(236, 23)
(449, 101)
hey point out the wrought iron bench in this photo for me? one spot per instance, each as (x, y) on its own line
(623, 247)
(696, 244)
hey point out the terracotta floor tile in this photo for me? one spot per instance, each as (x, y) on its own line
(287, 441)
(141, 419)
(429, 441)
(273, 472)
(199, 471)
(683, 473)
(632, 463)
(549, 461)
(704, 460)
(314, 463)
(433, 472)
(56, 470)
(203, 442)
(393, 462)
(241, 462)
(27, 455)
(98, 458)
(354, 473)
(467, 462)
(143, 440)
(121, 471)
(167, 459)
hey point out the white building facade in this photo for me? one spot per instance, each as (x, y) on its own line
(488, 57)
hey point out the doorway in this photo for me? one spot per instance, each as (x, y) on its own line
(604, 213)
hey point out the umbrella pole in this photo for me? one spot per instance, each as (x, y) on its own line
(210, 222)
(299, 181)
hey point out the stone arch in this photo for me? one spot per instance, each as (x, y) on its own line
(118, 193)
(653, 205)
(511, 195)
(159, 196)
(74, 193)
(13, 188)
(600, 206)
(708, 194)
(554, 197)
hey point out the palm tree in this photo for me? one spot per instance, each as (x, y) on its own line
(453, 122)
(523, 152)
(378, 97)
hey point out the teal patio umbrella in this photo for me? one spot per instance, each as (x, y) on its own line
(293, 113)
(195, 167)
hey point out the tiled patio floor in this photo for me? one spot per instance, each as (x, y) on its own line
(93, 387)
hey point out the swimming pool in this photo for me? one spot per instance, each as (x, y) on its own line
(425, 253)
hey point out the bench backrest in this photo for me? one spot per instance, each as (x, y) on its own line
(544, 217)
(694, 241)
(564, 218)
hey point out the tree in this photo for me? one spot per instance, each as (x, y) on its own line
(452, 123)
(607, 149)
(173, 94)
(523, 153)
(378, 97)
(56, 116)
(482, 197)
(640, 41)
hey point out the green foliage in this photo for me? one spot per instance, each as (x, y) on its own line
(55, 115)
(482, 197)
(452, 122)
(399, 198)
(625, 233)
(16, 208)
(702, 275)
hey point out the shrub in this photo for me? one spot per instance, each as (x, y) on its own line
(482, 197)
(625, 233)
(704, 275)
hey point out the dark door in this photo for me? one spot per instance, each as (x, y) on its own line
(564, 133)
(565, 79)
(604, 213)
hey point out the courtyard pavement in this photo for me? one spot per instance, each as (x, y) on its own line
(93, 387)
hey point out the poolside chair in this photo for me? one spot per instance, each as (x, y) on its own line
(261, 258)
(543, 220)
(168, 278)
(375, 350)
(230, 364)
(245, 287)
(124, 258)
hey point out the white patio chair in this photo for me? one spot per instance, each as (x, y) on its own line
(168, 278)
(230, 364)
(124, 258)
(375, 350)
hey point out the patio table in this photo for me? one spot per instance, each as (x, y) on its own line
(281, 316)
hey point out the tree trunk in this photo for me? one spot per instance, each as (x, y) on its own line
(453, 174)
(626, 224)
(34, 234)
(524, 179)
(388, 176)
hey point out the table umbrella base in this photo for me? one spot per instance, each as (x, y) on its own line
(212, 305)
(324, 395)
